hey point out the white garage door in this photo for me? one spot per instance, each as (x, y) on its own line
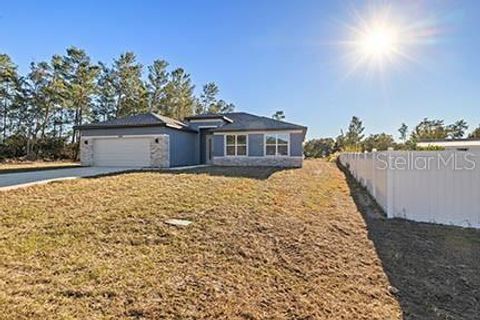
(121, 152)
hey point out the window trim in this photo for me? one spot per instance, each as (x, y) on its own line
(276, 155)
(236, 145)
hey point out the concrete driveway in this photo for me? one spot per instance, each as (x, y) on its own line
(21, 179)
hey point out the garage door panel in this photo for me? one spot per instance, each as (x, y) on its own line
(134, 152)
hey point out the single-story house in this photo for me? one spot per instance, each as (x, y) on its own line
(470, 144)
(227, 139)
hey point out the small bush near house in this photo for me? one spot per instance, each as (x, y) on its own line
(319, 148)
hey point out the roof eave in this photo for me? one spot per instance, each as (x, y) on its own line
(222, 129)
(448, 140)
(93, 126)
(222, 117)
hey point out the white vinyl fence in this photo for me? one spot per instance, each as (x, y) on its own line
(428, 186)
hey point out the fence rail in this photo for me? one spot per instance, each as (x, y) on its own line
(426, 186)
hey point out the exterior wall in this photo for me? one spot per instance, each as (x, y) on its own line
(218, 146)
(425, 186)
(86, 152)
(159, 152)
(256, 152)
(259, 161)
(203, 146)
(296, 144)
(184, 148)
(255, 145)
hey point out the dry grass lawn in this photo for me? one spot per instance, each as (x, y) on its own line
(32, 165)
(290, 245)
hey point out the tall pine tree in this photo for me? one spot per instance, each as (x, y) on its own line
(105, 104)
(179, 100)
(157, 80)
(80, 79)
(8, 91)
(209, 102)
(130, 92)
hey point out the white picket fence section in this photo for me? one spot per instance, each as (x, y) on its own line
(427, 186)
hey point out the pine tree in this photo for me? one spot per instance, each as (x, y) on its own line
(157, 80)
(403, 130)
(429, 130)
(457, 130)
(209, 102)
(8, 91)
(80, 79)
(56, 93)
(179, 100)
(475, 134)
(208, 98)
(41, 108)
(105, 105)
(279, 115)
(354, 134)
(130, 92)
(223, 107)
(22, 115)
(381, 141)
(47, 92)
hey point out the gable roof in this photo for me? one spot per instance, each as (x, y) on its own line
(243, 121)
(149, 119)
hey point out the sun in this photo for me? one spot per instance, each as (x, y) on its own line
(379, 42)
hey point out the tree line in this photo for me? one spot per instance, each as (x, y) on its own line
(354, 140)
(39, 110)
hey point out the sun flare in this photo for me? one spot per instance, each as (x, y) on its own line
(379, 42)
(381, 39)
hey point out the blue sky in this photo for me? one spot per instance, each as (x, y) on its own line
(274, 55)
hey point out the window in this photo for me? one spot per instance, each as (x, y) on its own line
(276, 144)
(236, 145)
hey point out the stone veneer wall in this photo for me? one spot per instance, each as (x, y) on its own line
(160, 151)
(259, 161)
(86, 152)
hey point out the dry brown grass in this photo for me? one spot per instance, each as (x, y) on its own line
(292, 246)
(29, 165)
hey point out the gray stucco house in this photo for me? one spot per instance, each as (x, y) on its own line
(228, 139)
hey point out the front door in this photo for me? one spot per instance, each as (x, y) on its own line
(209, 150)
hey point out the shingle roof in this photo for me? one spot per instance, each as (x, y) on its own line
(209, 115)
(149, 119)
(243, 121)
(235, 121)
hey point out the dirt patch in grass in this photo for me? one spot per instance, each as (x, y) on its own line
(291, 245)
(435, 268)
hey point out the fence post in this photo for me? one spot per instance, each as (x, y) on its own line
(374, 174)
(390, 191)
